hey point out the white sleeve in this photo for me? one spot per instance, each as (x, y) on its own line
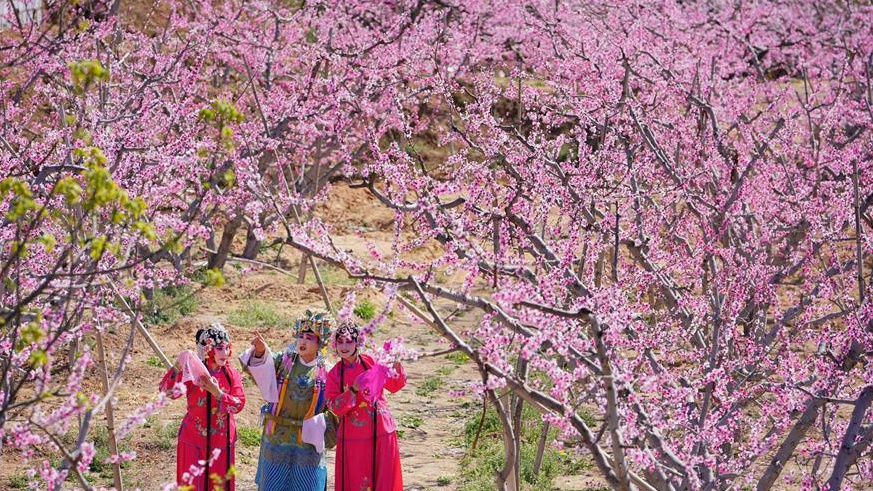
(263, 373)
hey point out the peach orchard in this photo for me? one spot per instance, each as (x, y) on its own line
(660, 210)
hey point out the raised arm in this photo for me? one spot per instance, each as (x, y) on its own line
(254, 361)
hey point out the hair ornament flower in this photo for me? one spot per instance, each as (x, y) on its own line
(212, 335)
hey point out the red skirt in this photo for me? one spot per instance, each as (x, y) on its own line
(188, 455)
(353, 470)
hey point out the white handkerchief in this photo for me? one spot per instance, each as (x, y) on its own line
(313, 431)
(264, 374)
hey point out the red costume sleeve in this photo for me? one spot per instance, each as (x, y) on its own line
(338, 400)
(171, 378)
(394, 384)
(232, 400)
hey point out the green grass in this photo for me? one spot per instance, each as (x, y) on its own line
(412, 421)
(458, 357)
(446, 370)
(266, 246)
(170, 303)
(17, 481)
(589, 419)
(256, 313)
(154, 361)
(248, 436)
(100, 438)
(479, 466)
(167, 435)
(430, 386)
(365, 310)
(444, 481)
(330, 275)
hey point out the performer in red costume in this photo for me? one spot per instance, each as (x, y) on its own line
(367, 453)
(219, 395)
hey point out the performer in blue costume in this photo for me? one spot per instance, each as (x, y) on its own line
(296, 427)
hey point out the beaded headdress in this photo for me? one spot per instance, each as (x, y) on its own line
(317, 322)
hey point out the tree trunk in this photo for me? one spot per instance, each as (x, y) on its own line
(506, 478)
(541, 448)
(517, 420)
(846, 457)
(786, 449)
(253, 245)
(219, 259)
(301, 271)
(619, 463)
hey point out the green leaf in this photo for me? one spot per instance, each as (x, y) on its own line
(84, 73)
(18, 248)
(31, 333)
(69, 188)
(38, 358)
(206, 114)
(98, 245)
(214, 277)
(146, 229)
(49, 241)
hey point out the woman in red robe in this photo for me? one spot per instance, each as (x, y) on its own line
(367, 453)
(220, 395)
